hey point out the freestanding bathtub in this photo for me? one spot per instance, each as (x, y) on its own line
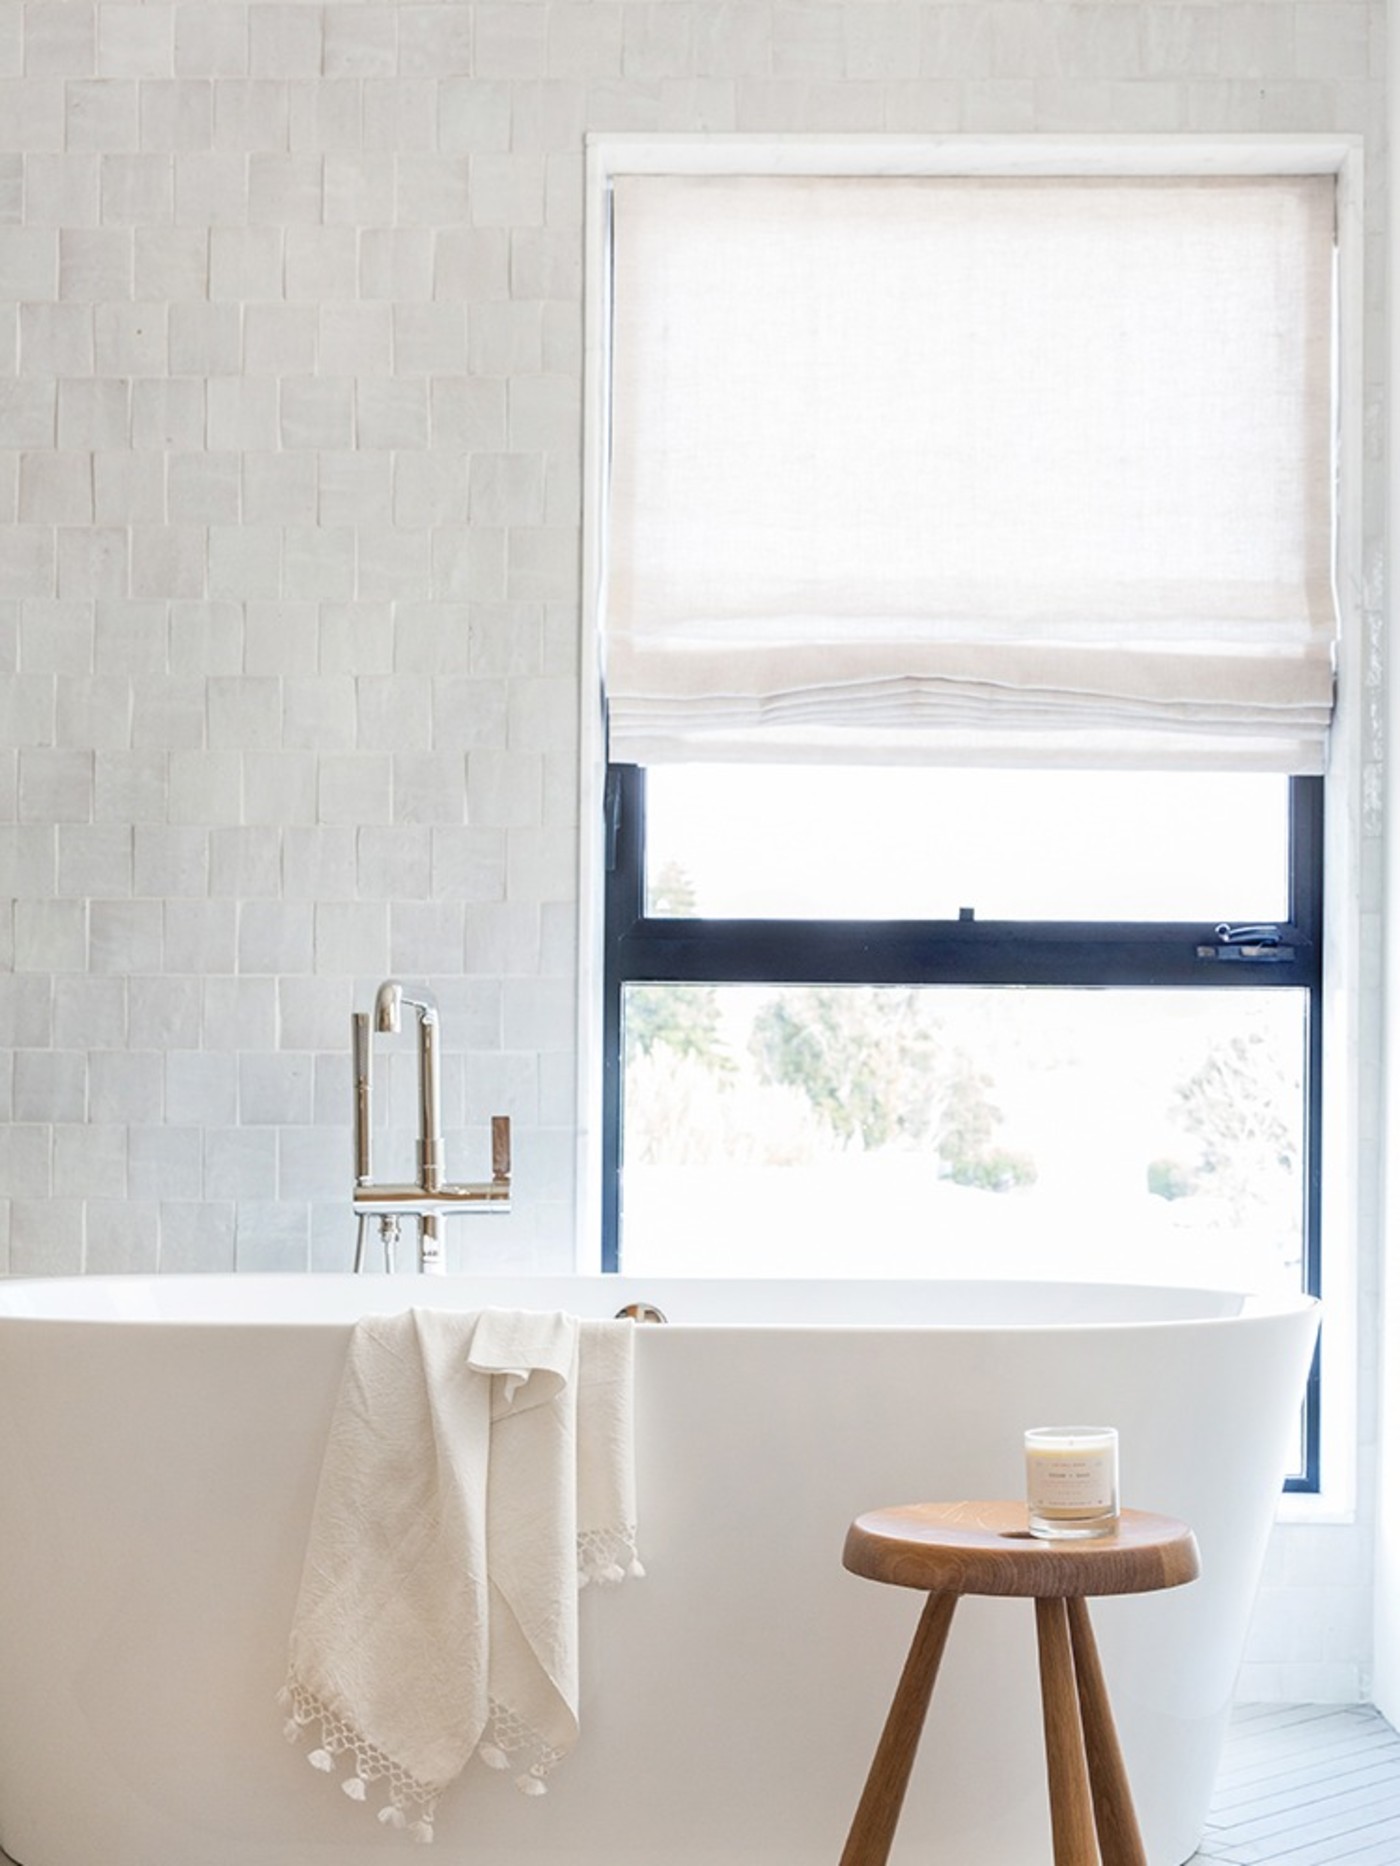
(160, 1441)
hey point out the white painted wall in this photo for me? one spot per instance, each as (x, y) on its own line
(1386, 1635)
(290, 363)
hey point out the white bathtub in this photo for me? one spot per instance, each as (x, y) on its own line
(159, 1445)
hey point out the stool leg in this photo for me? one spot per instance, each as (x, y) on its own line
(877, 1816)
(1120, 1842)
(1071, 1809)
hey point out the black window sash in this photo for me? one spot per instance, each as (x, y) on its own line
(646, 949)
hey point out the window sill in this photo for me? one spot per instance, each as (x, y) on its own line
(1321, 1509)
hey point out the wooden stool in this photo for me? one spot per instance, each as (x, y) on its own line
(949, 1549)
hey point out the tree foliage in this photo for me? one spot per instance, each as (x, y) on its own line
(879, 1070)
(684, 1019)
(864, 1059)
(966, 1140)
(1240, 1107)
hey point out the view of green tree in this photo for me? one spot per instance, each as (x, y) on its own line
(879, 1069)
(966, 1132)
(682, 1018)
(1241, 1109)
(865, 1059)
(671, 891)
(766, 1123)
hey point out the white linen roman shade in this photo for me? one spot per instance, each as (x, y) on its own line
(952, 469)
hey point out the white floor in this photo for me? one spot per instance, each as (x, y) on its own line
(1306, 1785)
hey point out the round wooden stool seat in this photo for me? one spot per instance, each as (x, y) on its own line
(986, 1548)
(950, 1549)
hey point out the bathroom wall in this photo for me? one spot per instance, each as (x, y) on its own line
(1385, 1682)
(290, 350)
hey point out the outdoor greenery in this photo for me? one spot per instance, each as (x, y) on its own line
(858, 1068)
(1238, 1112)
(769, 1077)
(879, 1070)
(683, 1020)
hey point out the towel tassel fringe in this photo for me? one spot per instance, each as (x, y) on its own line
(338, 1738)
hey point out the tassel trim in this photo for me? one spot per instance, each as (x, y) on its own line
(608, 1556)
(411, 1804)
(510, 1744)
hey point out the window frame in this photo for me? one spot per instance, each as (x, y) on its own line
(647, 949)
(1347, 808)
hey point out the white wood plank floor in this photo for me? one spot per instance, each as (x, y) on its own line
(1306, 1785)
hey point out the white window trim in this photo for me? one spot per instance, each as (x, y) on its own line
(1339, 155)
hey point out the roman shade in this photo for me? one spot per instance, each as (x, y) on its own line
(1000, 469)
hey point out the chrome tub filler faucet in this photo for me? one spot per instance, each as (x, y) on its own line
(430, 1198)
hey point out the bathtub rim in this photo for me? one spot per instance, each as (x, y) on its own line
(274, 1299)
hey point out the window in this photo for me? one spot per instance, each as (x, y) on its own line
(1148, 1134)
(964, 841)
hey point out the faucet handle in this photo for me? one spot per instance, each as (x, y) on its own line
(500, 1147)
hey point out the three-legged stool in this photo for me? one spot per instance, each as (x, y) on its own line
(950, 1549)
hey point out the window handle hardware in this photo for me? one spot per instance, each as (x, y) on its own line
(1255, 943)
(612, 818)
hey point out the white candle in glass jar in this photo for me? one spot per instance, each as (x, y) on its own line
(1072, 1480)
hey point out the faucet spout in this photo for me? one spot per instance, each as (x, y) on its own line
(430, 1198)
(429, 1092)
(388, 1006)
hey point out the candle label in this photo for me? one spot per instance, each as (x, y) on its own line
(1070, 1481)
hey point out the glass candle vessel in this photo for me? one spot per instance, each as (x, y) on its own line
(1072, 1480)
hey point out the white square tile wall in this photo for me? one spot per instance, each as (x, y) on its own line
(290, 352)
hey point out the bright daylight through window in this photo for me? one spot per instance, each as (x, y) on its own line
(967, 624)
(1027, 1128)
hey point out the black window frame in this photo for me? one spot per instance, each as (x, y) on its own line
(652, 949)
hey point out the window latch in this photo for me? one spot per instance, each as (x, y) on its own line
(1257, 943)
(612, 817)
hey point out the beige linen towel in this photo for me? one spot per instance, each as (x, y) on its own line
(477, 1472)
